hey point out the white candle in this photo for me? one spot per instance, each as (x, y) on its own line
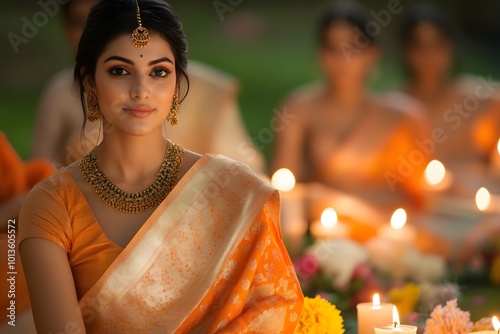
(496, 326)
(395, 327)
(328, 227)
(398, 232)
(373, 314)
(293, 218)
(437, 177)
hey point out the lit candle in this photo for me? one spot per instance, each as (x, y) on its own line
(283, 180)
(398, 231)
(496, 326)
(395, 327)
(293, 218)
(437, 177)
(328, 227)
(483, 199)
(373, 314)
(495, 161)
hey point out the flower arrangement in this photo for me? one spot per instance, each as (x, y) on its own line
(338, 270)
(320, 317)
(449, 319)
(347, 272)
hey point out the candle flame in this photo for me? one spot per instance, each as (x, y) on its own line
(483, 199)
(395, 316)
(498, 146)
(329, 218)
(434, 172)
(283, 180)
(376, 299)
(398, 219)
(496, 323)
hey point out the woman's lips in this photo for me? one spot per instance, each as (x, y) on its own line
(139, 112)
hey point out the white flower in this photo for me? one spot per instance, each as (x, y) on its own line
(338, 259)
(402, 261)
(424, 268)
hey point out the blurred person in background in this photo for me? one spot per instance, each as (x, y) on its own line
(341, 135)
(465, 110)
(209, 117)
(58, 134)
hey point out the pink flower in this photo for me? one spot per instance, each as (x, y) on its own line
(306, 266)
(449, 319)
(362, 270)
(413, 317)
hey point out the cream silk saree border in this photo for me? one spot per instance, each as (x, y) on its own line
(149, 287)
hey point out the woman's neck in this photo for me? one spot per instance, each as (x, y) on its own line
(427, 89)
(133, 161)
(346, 96)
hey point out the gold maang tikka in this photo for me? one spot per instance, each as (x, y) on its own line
(140, 35)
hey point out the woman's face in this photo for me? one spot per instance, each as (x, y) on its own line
(135, 86)
(429, 54)
(345, 56)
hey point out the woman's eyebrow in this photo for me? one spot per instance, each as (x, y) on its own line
(125, 60)
(161, 60)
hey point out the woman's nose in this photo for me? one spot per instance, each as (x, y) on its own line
(140, 90)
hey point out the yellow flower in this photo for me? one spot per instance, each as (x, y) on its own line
(495, 271)
(405, 298)
(320, 317)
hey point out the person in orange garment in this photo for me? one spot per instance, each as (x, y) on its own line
(17, 178)
(142, 235)
(339, 135)
(466, 110)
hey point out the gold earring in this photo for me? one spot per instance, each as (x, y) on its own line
(93, 111)
(173, 115)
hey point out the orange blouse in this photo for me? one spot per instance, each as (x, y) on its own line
(59, 212)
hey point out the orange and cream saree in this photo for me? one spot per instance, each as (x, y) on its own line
(209, 260)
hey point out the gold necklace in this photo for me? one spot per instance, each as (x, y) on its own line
(134, 202)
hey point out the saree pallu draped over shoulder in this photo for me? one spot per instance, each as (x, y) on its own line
(208, 260)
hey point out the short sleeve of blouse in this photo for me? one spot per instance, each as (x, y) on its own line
(45, 215)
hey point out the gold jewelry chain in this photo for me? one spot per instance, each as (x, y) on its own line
(134, 202)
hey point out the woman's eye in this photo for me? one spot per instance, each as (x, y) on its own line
(160, 72)
(118, 71)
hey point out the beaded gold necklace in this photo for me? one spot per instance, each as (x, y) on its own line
(134, 202)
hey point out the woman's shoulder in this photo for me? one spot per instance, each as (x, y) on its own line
(54, 186)
(237, 170)
(305, 94)
(400, 103)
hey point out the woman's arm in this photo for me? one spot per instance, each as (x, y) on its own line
(51, 287)
(289, 129)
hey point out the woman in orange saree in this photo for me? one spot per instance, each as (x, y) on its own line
(140, 235)
(204, 261)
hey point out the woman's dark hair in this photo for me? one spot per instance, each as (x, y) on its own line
(110, 19)
(426, 13)
(345, 11)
